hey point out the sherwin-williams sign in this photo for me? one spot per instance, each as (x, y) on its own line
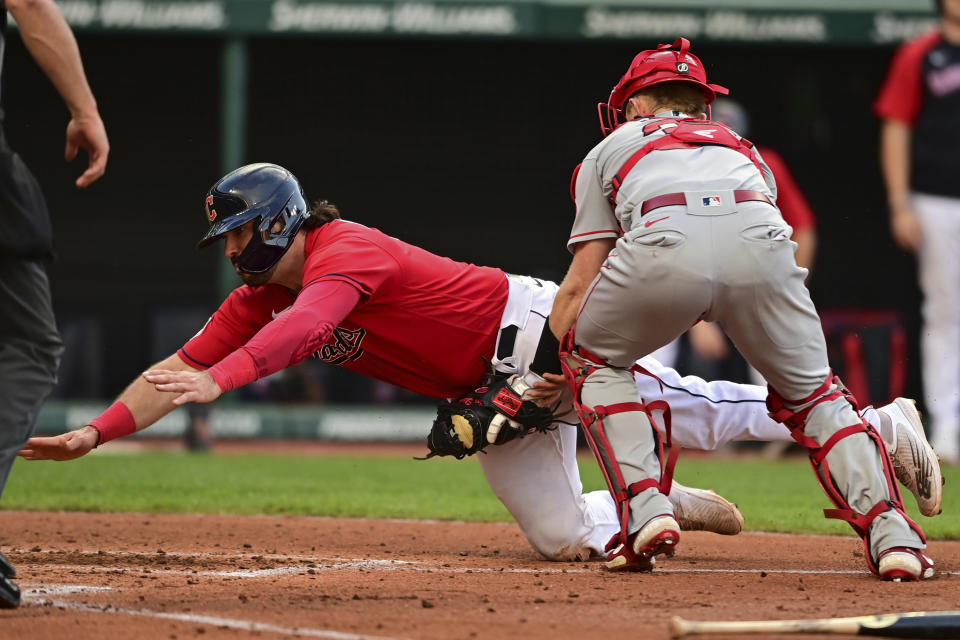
(519, 20)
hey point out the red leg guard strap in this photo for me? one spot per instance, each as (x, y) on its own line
(620, 407)
(578, 364)
(661, 405)
(860, 523)
(796, 421)
(821, 452)
(638, 369)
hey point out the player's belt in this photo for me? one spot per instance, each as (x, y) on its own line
(670, 199)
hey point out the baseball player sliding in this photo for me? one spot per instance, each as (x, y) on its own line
(676, 222)
(319, 285)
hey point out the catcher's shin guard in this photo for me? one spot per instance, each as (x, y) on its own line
(796, 422)
(577, 364)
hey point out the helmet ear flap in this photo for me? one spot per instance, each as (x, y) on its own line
(280, 222)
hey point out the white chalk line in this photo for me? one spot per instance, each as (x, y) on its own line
(38, 594)
(216, 621)
(338, 564)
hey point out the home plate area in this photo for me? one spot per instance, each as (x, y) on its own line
(96, 576)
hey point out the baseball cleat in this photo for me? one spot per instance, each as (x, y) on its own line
(660, 536)
(704, 510)
(904, 563)
(915, 463)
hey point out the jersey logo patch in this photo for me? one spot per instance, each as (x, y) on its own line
(344, 345)
(711, 201)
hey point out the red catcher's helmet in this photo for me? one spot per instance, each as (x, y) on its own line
(666, 63)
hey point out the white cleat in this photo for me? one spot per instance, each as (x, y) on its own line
(660, 536)
(903, 563)
(915, 463)
(704, 510)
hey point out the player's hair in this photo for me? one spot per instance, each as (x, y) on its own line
(321, 212)
(679, 96)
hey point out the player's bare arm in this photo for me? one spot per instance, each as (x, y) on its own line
(587, 258)
(895, 143)
(146, 403)
(48, 38)
(190, 386)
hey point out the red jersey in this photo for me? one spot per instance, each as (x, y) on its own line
(423, 322)
(790, 200)
(922, 90)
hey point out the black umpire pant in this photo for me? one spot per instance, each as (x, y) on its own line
(30, 350)
(30, 345)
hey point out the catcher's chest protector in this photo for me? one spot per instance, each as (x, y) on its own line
(686, 133)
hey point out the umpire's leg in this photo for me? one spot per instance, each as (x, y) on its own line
(30, 350)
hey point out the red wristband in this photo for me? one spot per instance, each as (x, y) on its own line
(236, 370)
(115, 422)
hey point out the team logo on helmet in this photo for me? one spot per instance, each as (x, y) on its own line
(211, 212)
(683, 67)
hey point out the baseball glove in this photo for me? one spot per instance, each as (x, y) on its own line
(463, 424)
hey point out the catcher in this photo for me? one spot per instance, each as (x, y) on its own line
(315, 284)
(677, 222)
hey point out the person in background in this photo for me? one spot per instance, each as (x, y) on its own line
(30, 345)
(790, 199)
(919, 109)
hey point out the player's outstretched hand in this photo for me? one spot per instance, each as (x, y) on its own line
(193, 386)
(66, 446)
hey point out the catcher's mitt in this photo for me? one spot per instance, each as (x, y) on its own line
(461, 426)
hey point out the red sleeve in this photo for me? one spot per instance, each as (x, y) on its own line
(901, 94)
(790, 200)
(291, 336)
(353, 259)
(238, 319)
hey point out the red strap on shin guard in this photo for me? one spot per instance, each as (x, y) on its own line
(796, 421)
(820, 453)
(860, 523)
(577, 365)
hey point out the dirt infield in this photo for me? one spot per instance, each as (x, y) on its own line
(96, 576)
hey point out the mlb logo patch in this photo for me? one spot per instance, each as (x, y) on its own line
(711, 201)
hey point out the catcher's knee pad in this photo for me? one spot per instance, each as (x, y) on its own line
(796, 422)
(578, 364)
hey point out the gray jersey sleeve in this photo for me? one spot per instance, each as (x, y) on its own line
(595, 219)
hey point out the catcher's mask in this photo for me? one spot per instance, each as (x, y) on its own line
(666, 63)
(265, 193)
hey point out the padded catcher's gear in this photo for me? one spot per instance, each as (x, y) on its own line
(460, 428)
(266, 193)
(666, 63)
